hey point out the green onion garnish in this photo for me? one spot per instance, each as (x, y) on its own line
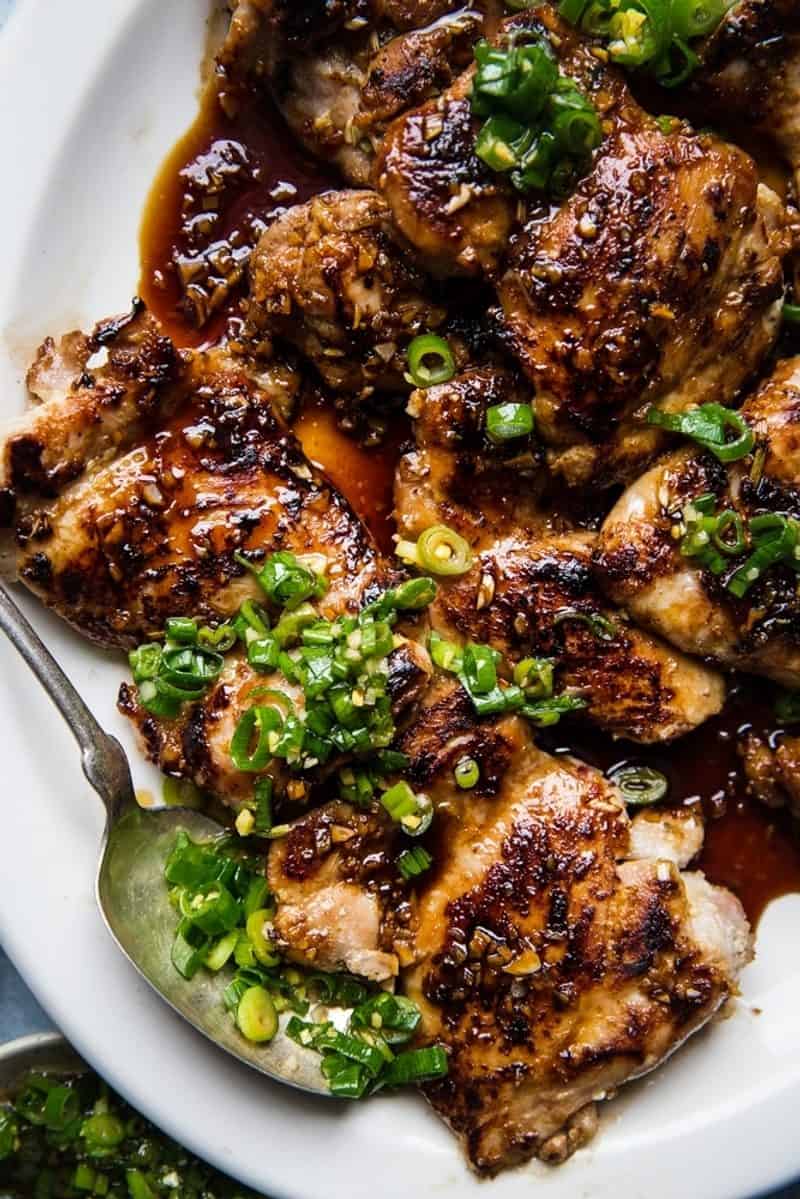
(639, 785)
(467, 773)
(430, 361)
(411, 811)
(415, 1066)
(787, 707)
(602, 627)
(790, 313)
(775, 540)
(438, 549)
(652, 34)
(709, 425)
(413, 862)
(540, 129)
(507, 421)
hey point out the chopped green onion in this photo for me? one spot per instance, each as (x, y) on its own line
(438, 549)
(413, 862)
(182, 793)
(639, 785)
(535, 677)
(262, 945)
(181, 629)
(775, 540)
(256, 1016)
(250, 746)
(507, 421)
(220, 638)
(393, 1016)
(61, 1107)
(414, 595)
(102, 1133)
(9, 1135)
(546, 712)
(412, 812)
(445, 654)
(601, 626)
(415, 1066)
(467, 773)
(430, 361)
(790, 313)
(709, 425)
(213, 910)
(221, 951)
(138, 1186)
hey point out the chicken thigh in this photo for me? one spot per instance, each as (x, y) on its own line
(206, 470)
(750, 74)
(641, 565)
(554, 966)
(658, 280)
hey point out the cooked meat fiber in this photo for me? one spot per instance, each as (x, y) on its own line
(341, 73)
(750, 74)
(338, 908)
(641, 567)
(330, 277)
(152, 533)
(657, 281)
(554, 968)
(540, 599)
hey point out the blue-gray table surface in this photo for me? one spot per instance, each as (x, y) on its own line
(19, 1011)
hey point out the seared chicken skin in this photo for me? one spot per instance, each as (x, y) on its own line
(457, 476)
(540, 599)
(553, 965)
(152, 532)
(657, 281)
(531, 590)
(557, 952)
(330, 277)
(641, 567)
(750, 74)
(342, 72)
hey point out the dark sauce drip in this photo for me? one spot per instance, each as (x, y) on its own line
(748, 848)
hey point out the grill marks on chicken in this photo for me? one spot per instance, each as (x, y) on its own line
(152, 533)
(553, 969)
(330, 277)
(640, 565)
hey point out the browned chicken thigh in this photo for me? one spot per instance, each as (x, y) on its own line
(341, 72)
(152, 532)
(750, 74)
(555, 949)
(554, 966)
(642, 568)
(658, 280)
(330, 277)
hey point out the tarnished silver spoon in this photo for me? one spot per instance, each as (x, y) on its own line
(131, 892)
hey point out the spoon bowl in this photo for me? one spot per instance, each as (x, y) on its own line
(131, 891)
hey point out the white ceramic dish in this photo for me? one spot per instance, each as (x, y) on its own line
(92, 95)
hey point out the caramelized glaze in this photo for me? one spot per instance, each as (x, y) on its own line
(748, 848)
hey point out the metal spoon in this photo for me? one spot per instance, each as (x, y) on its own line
(131, 891)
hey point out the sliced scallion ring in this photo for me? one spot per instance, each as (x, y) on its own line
(430, 360)
(504, 422)
(639, 785)
(442, 551)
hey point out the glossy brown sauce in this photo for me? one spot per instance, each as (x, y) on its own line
(748, 848)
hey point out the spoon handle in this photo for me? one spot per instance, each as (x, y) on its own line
(102, 757)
